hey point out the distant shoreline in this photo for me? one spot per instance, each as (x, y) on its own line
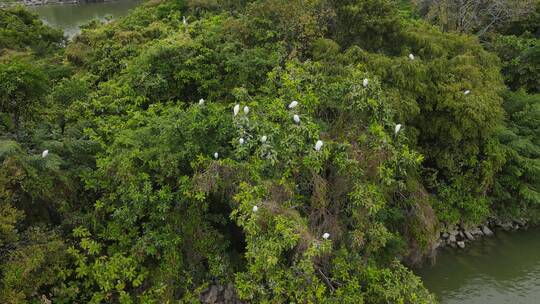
(47, 2)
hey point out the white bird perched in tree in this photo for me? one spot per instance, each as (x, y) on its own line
(365, 82)
(318, 145)
(411, 56)
(467, 92)
(398, 127)
(216, 155)
(184, 21)
(293, 104)
(326, 235)
(44, 153)
(264, 138)
(241, 141)
(236, 109)
(246, 110)
(201, 101)
(255, 208)
(296, 118)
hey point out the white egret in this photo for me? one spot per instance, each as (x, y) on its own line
(365, 83)
(201, 101)
(45, 153)
(264, 138)
(318, 145)
(293, 104)
(296, 118)
(411, 56)
(241, 141)
(184, 21)
(246, 110)
(216, 155)
(236, 109)
(326, 235)
(255, 208)
(398, 127)
(467, 92)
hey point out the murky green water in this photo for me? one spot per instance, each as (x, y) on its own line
(504, 269)
(69, 17)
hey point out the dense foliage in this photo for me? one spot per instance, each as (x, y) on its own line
(154, 155)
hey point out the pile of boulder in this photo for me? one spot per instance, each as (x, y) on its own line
(219, 294)
(458, 235)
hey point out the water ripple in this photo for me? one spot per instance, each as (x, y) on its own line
(500, 270)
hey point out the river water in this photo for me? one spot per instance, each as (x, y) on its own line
(504, 269)
(69, 17)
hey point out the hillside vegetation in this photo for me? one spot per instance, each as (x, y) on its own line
(158, 154)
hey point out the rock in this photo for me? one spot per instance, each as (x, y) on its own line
(219, 294)
(44, 300)
(445, 235)
(203, 293)
(461, 235)
(452, 239)
(211, 295)
(487, 231)
(477, 231)
(469, 235)
(228, 295)
(453, 233)
(461, 244)
(520, 222)
(507, 226)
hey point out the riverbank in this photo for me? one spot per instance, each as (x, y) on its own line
(458, 236)
(48, 2)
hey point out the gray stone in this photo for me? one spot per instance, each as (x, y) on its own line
(445, 235)
(202, 295)
(452, 239)
(211, 295)
(507, 226)
(477, 231)
(469, 235)
(453, 232)
(461, 244)
(520, 222)
(228, 295)
(487, 231)
(44, 300)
